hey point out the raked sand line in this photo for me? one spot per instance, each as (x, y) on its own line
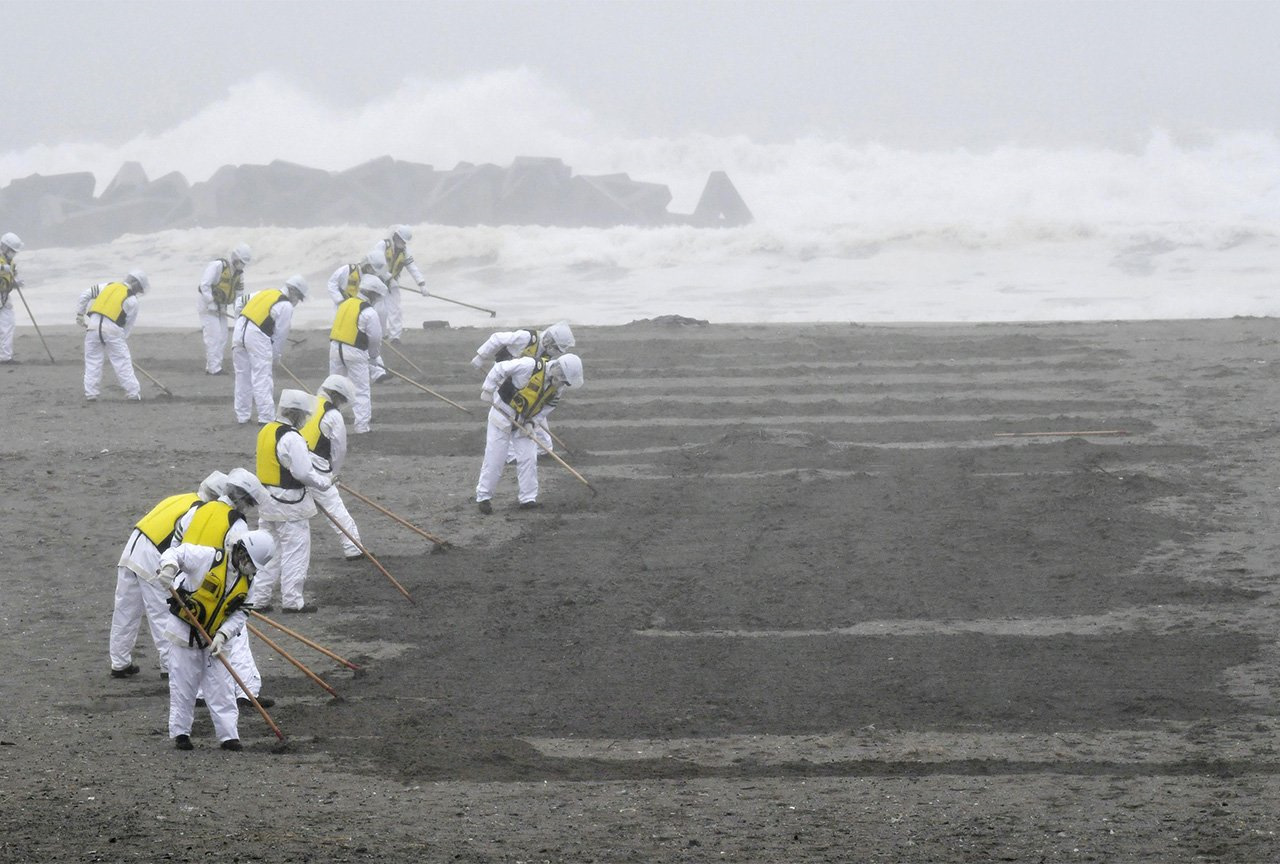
(1145, 619)
(1172, 743)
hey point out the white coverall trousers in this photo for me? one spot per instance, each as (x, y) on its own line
(135, 597)
(196, 670)
(252, 355)
(6, 331)
(500, 437)
(240, 656)
(288, 567)
(394, 325)
(332, 502)
(106, 339)
(214, 328)
(354, 363)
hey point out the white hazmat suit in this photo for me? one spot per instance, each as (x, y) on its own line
(193, 669)
(254, 352)
(104, 338)
(286, 514)
(212, 308)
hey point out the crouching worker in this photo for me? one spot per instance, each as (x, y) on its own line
(213, 584)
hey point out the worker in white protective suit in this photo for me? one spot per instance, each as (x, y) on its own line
(261, 332)
(326, 435)
(216, 524)
(520, 391)
(395, 252)
(344, 283)
(547, 344)
(220, 286)
(212, 585)
(355, 345)
(137, 591)
(286, 470)
(108, 312)
(10, 246)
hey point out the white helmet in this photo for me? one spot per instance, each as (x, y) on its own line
(403, 232)
(567, 368)
(242, 254)
(370, 284)
(260, 547)
(340, 385)
(12, 242)
(376, 263)
(243, 484)
(139, 280)
(213, 486)
(296, 400)
(557, 336)
(298, 284)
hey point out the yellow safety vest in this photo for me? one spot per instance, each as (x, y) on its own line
(532, 397)
(258, 309)
(161, 521)
(353, 281)
(8, 276)
(210, 523)
(396, 258)
(270, 471)
(317, 442)
(346, 324)
(110, 302)
(229, 284)
(213, 600)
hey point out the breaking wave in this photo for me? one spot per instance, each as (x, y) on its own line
(843, 230)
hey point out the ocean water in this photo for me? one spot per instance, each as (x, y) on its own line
(843, 231)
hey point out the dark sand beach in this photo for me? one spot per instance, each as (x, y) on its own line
(958, 593)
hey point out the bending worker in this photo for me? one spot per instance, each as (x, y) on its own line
(137, 592)
(355, 343)
(326, 435)
(108, 312)
(261, 332)
(220, 286)
(520, 391)
(286, 470)
(395, 252)
(547, 344)
(213, 585)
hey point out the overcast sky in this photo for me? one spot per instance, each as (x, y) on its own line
(913, 74)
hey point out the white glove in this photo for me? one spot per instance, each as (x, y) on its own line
(219, 641)
(486, 396)
(166, 573)
(422, 289)
(80, 322)
(323, 483)
(477, 361)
